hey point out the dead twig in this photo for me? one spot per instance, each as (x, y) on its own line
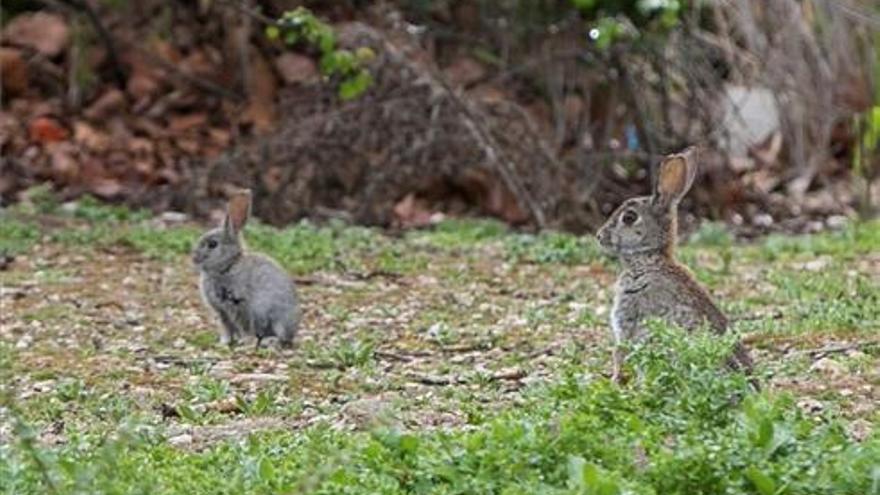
(435, 380)
(185, 77)
(497, 158)
(755, 317)
(463, 348)
(642, 121)
(494, 153)
(374, 274)
(180, 360)
(513, 374)
(544, 351)
(326, 281)
(393, 356)
(357, 279)
(106, 38)
(322, 365)
(834, 349)
(248, 11)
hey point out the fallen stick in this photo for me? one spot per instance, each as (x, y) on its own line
(393, 356)
(755, 317)
(436, 379)
(463, 348)
(106, 38)
(515, 374)
(180, 360)
(833, 349)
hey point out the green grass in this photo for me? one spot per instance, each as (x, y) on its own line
(682, 428)
(855, 240)
(80, 405)
(459, 234)
(552, 247)
(15, 236)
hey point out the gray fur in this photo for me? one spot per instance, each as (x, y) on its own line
(250, 293)
(642, 233)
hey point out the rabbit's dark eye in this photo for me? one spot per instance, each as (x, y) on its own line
(211, 243)
(629, 217)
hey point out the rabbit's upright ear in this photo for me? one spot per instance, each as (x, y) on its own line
(676, 176)
(238, 210)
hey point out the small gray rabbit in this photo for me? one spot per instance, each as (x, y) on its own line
(250, 292)
(642, 233)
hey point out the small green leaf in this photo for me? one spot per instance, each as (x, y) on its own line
(353, 87)
(242, 404)
(327, 64)
(267, 470)
(273, 32)
(409, 443)
(187, 413)
(327, 41)
(589, 479)
(765, 433)
(763, 483)
(365, 54)
(584, 4)
(781, 436)
(344, 61)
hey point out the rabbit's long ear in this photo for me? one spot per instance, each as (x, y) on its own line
(676, 176)
(238, 210)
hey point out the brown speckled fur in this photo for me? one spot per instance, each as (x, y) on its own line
(643, 233)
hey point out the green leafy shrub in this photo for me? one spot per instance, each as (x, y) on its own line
(617, 20)
(684, 426)
(349, 68)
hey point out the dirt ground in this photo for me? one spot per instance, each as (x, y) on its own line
(449, 334)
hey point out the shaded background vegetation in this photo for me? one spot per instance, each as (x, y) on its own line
(543, 113)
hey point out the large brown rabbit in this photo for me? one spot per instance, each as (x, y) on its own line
(642, 233)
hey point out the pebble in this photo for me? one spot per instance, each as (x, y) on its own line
(133, 318)
(762, 220)
(836, 222)
(25, 341)
(859, 430)
(173, 217)
(181, 440)
(828, 367)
